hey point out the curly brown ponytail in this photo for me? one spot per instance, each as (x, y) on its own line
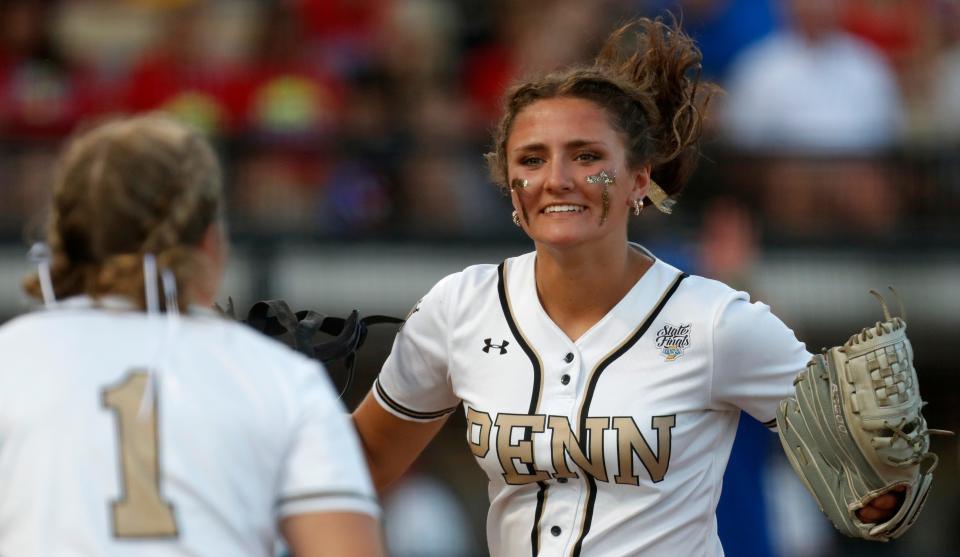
(647, 77)
(141, 185)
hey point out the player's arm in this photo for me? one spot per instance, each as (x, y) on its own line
(390, 443)
(332, 534)
(412, 396)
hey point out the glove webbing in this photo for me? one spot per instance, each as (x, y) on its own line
(274, 318)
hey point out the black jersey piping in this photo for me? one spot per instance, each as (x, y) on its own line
(408, 411)
(594, 378)
(534, 395)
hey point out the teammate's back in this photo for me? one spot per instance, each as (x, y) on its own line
(91, 463)
(132, 423)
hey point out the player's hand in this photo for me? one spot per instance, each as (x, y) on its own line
(882, 508)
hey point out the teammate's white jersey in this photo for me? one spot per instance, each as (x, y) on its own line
(614, 444)
(242, 432)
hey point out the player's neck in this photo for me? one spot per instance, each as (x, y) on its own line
(578, 287)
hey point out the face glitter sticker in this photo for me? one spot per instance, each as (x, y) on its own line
(606, 180)
(518, 185)
(601, 177)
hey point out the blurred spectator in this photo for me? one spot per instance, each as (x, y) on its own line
(895, 27)
(286, 95)
(445, 184)
(912, 35)
(423, 518)
(343, 33)
(348, 116)
(819, 197)
(415, 43)
(183, 75)
(26, 179)
(446, 193)
(41, 95)
(357, 200)
(722, 28)
(825, 107)
(532, 37)
(812, 88)
(945, 94)
(275, 190)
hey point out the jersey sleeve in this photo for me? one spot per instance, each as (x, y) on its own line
(414, 383)
(324, 469)
(756, 358)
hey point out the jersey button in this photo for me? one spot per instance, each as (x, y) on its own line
(564, 378)
(555, 530)
(568, 358)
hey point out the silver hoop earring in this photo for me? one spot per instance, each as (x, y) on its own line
(637, 206)
(516, 218)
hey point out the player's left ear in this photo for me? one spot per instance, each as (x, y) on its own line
(640, 180)
(215, 246)
(215, 249)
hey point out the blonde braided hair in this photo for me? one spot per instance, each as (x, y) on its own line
(146, 184)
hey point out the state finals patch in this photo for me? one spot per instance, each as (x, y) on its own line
(672, 340)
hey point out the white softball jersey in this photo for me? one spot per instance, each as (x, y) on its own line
(239, 432)
(613, 444)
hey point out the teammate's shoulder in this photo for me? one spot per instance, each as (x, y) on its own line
(50, 322)
(21, 324)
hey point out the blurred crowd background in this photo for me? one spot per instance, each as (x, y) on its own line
(352, 134)
(367, 118)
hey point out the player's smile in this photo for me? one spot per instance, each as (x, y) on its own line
(564, 209)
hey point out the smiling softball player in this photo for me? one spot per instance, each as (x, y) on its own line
(601, 386)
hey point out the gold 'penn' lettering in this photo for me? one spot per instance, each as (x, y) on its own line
(630, 441)
(483, 421)
(565, 442)
(522, 451)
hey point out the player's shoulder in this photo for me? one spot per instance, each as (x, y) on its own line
(710, 291)
(696, 289)
(708, 298)
(474, 278)
(729, 309)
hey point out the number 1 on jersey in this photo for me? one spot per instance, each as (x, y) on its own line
(140, 512)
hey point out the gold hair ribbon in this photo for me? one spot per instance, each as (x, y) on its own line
(663, 202)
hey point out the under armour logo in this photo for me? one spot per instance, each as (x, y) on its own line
(488, 342)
